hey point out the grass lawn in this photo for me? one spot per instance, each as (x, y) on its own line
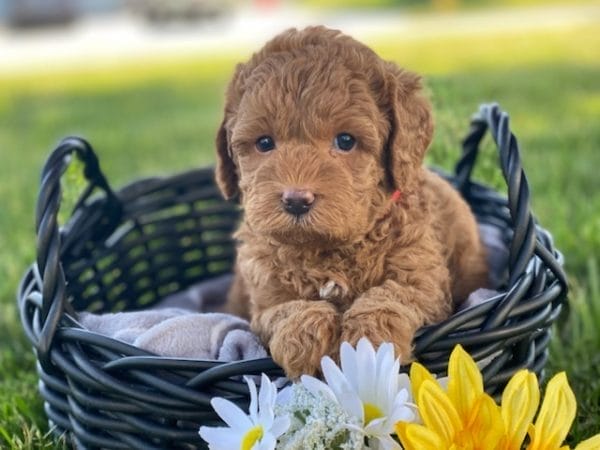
(161, 116)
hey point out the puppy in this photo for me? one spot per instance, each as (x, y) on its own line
(345, 234)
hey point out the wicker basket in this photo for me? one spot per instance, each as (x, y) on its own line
(126, 250)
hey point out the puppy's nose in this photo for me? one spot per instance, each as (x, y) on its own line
(297, 201)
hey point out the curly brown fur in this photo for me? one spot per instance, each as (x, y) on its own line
(358, 263)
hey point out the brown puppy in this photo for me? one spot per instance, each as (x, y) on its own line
(345, 234)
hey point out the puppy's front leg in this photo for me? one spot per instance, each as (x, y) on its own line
(393, 312)
(299, 333)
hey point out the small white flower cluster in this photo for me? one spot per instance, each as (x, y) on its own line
(356, 408)
(317, 422)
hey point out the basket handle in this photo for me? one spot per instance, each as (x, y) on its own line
(48, 233)
(491, 117)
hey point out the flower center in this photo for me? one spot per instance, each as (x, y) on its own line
(252, 436)
(371, 412)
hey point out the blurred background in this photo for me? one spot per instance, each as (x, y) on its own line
(143, 81)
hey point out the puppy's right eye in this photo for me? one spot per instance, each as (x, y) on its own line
(344, 142)
(265, 144)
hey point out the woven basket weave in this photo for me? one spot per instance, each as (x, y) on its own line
(126, 250)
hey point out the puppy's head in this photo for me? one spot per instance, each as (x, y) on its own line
(318, 132)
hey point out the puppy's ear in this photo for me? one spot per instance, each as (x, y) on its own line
(411, 129)
(226, 171)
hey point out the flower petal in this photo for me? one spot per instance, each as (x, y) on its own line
(592, 443)
(231, 414)
(376, 427)
(384, 356)
(418, 374)
(437, 411)
(267, 442)
(401, 397)
(401, 412)
(465, 383)
(386, 376)
(404, 383)
(520, 401)
(418, 437)
(267, 396)
(486, 422)
(285, 395)
(353, 427)
(531, 431)
(366, 362)
(253, 409)
(220, 438)
(556, 414)
(316, 387)
(349, 364)
(384, 443)
(346, 396)
(280, 425)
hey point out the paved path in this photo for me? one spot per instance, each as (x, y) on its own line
(113, 39)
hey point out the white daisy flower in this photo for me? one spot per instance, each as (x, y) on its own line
(368, 387)
(257, 430)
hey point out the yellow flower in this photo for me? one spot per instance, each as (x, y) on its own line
(592, 443)
(520, 401)
(465, 418)
(556, 417)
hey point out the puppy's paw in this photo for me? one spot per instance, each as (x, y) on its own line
(303, 338)
(379, 326)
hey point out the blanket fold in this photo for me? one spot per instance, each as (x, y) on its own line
(181, 333)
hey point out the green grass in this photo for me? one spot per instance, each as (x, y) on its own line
(161, 117)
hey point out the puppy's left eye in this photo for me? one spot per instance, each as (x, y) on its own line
(265, 144)
(344, 142)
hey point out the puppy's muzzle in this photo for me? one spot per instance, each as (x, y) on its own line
(297, 201)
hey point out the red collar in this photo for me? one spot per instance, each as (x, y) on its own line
(396, 196)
